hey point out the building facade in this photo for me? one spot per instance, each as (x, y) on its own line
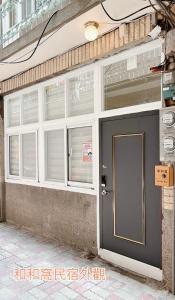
(79, 143)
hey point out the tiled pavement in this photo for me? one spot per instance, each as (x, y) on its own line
(28, 255)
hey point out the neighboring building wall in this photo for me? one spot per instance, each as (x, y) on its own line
(2, 212)
(31, 32)
(168, 237)
(66, 216)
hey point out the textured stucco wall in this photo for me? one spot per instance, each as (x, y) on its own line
(168, 237)
(2, 210)
(66, 216)
(167, 248)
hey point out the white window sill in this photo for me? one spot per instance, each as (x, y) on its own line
(56, 186)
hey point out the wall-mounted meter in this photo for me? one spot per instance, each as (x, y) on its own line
(169, 144)
(168, 118)
(167, 134)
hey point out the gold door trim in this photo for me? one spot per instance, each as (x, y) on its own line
(114, 189)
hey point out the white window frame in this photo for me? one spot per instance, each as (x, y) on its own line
(116, 58)
(75, 74)
(22, 107)
(19, 130)
(46, 84)
(74, 122)
(16, 177)
(7, 161)
(6, 111)
(76, 183)
(32, 7)
(23, 132)
(52, 128)
(46, 125)
(6, 24)
(19, 95)
(6, 21)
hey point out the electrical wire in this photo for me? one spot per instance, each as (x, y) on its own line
(167, 14)
(34, 50)
(123, 18)
(159, 12)
(167, 10)
(39, 43)
(159, 2)
(153, 6)
(59, 29)
(127, 22)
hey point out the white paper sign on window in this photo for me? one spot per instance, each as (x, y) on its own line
(87, 152)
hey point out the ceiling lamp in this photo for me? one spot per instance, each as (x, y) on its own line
(91, 30)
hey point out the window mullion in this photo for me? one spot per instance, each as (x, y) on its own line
(20, 156)
(66, 98)
(37, 156)
(66, 157)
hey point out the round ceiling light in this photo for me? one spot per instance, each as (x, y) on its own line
(91, 30)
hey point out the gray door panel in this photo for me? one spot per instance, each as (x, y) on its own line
(131, 211)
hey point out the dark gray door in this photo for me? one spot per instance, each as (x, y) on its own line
(130, 206)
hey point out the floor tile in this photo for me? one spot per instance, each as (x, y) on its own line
(23, 250)
(69, 293)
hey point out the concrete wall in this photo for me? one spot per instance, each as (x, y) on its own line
(66, 216)
(167, 248)
(2, 212)
(168, 196)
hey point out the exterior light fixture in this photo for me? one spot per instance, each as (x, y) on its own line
(91, 30)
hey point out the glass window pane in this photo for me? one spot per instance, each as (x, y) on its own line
(54, 101)
(54, 141)
(80, 154)
(130, 81)
(26, 8)
(13, 110)
(81, 94)
(29, 155)
(13, 16)
(14, 155)
(30, 107)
